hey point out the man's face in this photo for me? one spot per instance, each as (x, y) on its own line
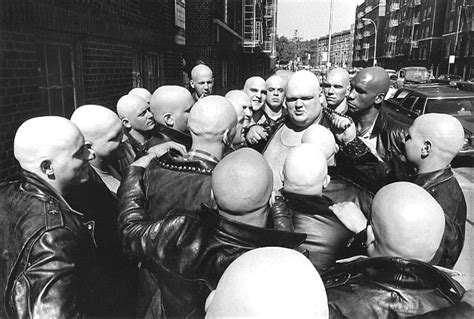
(275, 93)
(141, 118)
(335, 89)
(107, 146)
(302, 100)
(70, 162)
(203, 83)
(362, 94)
(413, 144)
(255, 89)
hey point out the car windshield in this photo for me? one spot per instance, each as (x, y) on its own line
(451, 106)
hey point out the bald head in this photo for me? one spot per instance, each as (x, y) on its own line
(135, 113)
(303, 98)
(212, 119)
(248, 287)
(322, 138)
(275, 86)
(101, 128)
(242, 182)
(202, 80)
(53, 148)
(376, 77)
(254, 87)
(141, 92)
(406, 222)
(239, 101)
(435, 139)
(369, 87)
(170, 105)
(336, 87)
(305, 170)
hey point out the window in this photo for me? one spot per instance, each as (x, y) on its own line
(57, 89)
(153, 71)
(147, 70)
(419, 106)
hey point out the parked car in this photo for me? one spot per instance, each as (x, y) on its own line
(449, 78)
(411, 74)
(409, 103)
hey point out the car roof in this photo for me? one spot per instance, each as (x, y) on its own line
(440, 91)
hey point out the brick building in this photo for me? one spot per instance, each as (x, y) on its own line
(341, 49)
(57, 55)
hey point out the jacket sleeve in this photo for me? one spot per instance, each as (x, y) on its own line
(50, 285)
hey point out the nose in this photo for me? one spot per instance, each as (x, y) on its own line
(206, 86)
(298, 103)
(91, 155)
(149, 114)
(275, 93)
(331, 89)
(351, 94)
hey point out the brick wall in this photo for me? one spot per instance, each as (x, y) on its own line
(105, 37)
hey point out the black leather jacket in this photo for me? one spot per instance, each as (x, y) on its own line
(163, 134)
(48, 252)
(187, 251)
(388, 287)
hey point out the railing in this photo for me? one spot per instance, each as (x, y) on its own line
(366, 45)
(392, 39)
(366, 33)
(394, 7)
(393, 23)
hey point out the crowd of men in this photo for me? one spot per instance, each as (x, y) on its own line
(288, 198)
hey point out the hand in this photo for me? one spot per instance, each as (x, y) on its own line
(255, 134)
(346, 135)
(350, 216)
(160, 149)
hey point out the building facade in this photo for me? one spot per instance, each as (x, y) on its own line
(368, 34)
(341, 49)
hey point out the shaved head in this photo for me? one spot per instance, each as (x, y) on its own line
(211, 118)
(242, 182)
(202, 80)
(53, 148)
(369, 87)
(170, 105)
(275, 86)
(434, 140)
(101, 127)
(322, 138)
(135, 113)
(239, 100)
(270, 282)
(336, 87)
(406, 222)
(305, 170)
(376, 77)
(254, 87)
(141, 92)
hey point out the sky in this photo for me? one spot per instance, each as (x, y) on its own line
(311, 17)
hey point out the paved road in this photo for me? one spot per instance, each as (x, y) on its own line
(465, 264)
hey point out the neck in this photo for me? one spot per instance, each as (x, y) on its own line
(257, 115)
(432, 166)
(273, 114)
(257, 218)
(215, 149)
(367, 119)
(140, 137)
(316, 190)
(100, 163)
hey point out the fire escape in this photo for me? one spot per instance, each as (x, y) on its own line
(252, 26)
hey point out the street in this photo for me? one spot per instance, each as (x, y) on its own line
(465, 176)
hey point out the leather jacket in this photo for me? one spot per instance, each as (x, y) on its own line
(163, 134)
(388, 287)
(326, 235)
(187, 251)
(182, 183)
(48, 253)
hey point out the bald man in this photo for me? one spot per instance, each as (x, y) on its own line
(431, 144)
(185, 253)
(304, 178)
(250, 283)
(255, 88)
(273, 114)
(241, 103)
(170, 105)
(202, 81)
(141, 92)
(304, 109)
(401, 238)
(336, 88)
(47, 248)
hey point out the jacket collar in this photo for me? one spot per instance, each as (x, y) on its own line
(36, 186)
(431, 179)
(308, 204)
(245, 235)
(176, 162)
(174, 135)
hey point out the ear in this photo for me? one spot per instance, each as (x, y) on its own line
(209, 301)
(126, 123)
(326, 181)
(379, 98)
(282, 176)
(370, 236)
(191, 83)
(226, 137)
(212, 196)
(426, 149)
(47, 168)
(168, 119)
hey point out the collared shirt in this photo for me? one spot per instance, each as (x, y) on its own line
(371, 141)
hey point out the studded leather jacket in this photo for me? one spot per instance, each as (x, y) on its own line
(186, 252)
(48, 252)
(388, 287)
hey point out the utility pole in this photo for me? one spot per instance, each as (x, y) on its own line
(328, 64)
